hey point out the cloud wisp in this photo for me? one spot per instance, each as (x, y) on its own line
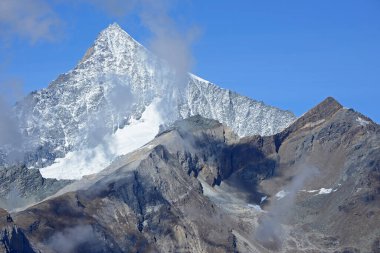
(72, 239)
(270, 232)
(11, 139)
(33, 20)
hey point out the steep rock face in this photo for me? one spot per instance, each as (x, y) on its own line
(112, 85)
(146, 201)
(20, 186)
(154, 207)
(12, 239)
(328, 165)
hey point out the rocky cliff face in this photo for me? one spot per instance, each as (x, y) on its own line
(12, 239)
(20, 186)
(198, 187)
(112, 86)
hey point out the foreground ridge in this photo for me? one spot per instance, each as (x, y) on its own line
(199, 187)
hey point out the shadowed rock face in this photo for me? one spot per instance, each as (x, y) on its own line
(154, 207)
(197, 187)
(12, 239)
(20, 186)
(342, 146)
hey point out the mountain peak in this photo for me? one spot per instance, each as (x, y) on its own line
(328, 102)
(112, 31)
(323, 110)
(315, 116)
(114, 26)
(116, 84)
(112, 42)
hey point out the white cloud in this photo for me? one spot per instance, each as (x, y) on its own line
(34, 20)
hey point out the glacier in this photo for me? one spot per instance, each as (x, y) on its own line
(88, 161)
(109, 93)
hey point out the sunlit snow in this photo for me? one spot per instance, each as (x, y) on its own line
(321, 191)
(325, 191)
(92, 160)
(281, 194)
(362, 122)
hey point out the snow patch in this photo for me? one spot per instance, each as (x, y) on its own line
(321, 191)
(281, 194)
(92, 160)
(362, 121)
(326, 191)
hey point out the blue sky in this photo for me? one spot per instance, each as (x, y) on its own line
(291, 54)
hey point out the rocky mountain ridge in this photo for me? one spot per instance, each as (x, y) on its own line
(199, 187)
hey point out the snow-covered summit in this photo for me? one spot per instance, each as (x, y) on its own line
(112, 86)
(114, 41)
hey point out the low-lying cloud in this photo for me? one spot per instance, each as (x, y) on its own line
(14, 199)
(11, 138)
(72, 239)
(270, 232)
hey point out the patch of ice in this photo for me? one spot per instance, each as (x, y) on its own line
(281, 194)
(263, 199)
(92, 160)
(362, 121)
(325, 191)
(312, 191)
(321, 191)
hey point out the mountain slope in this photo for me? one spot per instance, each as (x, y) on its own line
(198, 187)
(112, 86)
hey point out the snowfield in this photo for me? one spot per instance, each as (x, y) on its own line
(89, 161)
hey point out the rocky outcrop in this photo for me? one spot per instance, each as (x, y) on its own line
(20, 186)
(12, 238)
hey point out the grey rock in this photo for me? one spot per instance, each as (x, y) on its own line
(20, 186)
